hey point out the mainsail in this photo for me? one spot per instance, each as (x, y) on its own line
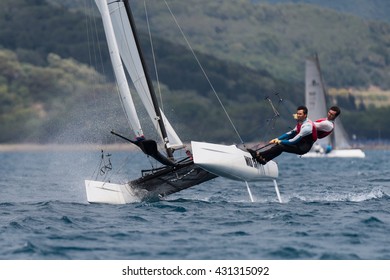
(131, 55)
(175, 174)
(120, 75)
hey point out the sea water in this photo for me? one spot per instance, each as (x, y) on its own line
(332, 209)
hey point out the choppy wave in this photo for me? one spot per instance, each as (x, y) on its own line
(332, 209)
(360, 196)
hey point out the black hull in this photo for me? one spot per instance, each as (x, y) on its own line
(168, 179)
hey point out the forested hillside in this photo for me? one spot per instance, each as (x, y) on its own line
(50, 93)
(279, 37)
(64, 101)
(369, 9)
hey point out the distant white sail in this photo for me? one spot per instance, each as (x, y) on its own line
(315, 100)
(315, 95)
(340, 136)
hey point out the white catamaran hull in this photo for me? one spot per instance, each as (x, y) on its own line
(347, 153)
(232, 162)
(103, 192)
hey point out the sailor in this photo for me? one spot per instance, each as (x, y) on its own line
(325, 126)
(297, 141)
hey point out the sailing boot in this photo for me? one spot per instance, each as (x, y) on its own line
(257, 156)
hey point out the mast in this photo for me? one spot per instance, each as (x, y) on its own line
(148, 80)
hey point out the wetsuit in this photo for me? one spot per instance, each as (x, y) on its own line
(297, 141)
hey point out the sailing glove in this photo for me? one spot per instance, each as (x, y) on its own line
(275, 141)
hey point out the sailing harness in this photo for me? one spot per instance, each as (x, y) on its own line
(311, 137)
(321, 133)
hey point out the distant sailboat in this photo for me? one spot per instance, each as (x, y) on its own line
(205, 162)
(337, 144)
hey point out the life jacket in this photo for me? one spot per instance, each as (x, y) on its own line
(313, 131)
(321, 133)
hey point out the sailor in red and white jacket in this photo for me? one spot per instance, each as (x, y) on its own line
(297, 141)
(304, 131)
(301, 138)
(325, 126)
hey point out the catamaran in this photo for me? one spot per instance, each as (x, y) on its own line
(203, 161)
(337, 144)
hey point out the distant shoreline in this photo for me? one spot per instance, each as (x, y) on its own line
(31, 147)
(64, 147)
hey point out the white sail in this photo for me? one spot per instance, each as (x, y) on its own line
(120, 76)
(315, 95)
(315, 100)
(340, 139)
(130, 56)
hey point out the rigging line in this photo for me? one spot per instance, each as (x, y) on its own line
(275, 111)
(93, 52)
(203, 71)
(95, 59)
(105, 165)
(281, 101)
(96, 173)
(117, 171)
(90, 42)
(97, 51)
(153, 55)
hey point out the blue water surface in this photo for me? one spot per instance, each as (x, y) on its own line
(332, 209)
